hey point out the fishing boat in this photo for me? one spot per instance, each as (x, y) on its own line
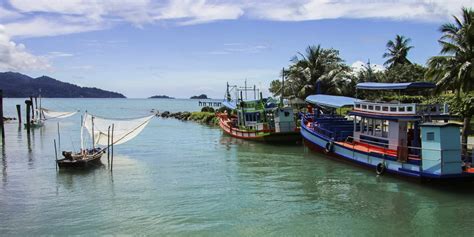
(261, 119)
(105, 132)
(42, 114)
(406, 139)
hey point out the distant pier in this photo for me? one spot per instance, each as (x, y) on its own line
(210, 103)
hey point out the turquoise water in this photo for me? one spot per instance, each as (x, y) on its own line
(182, 178)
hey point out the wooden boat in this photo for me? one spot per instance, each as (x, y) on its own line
(101, 134)
(85, 159)
(259, 120)
(410, 140)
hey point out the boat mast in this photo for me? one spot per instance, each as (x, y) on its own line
(282, 85)
(82, 132)
(93, 137)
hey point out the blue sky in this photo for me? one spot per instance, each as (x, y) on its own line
(182, 48)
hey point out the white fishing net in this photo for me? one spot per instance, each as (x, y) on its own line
(49, 114)
(124, 129)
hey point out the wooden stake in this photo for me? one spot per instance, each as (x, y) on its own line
(18, 111)
(112, 150)
(32, 108)
(59, 139)
(56, 154)
(28, 119)
(108, 146)
(1, 117)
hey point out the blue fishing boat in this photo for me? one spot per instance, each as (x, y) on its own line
(407, 139)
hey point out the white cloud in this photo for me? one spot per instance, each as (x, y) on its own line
(41, 26)
(301, 10)
(56, 17)
(56, 54)
(240, 48)
(15, 57)
(358, 66)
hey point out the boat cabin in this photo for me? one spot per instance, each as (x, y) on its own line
(264, 114)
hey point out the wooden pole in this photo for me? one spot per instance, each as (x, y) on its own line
(32, 108)
(59, 139)
(56, 153)
(36, 106)
(18, 111)
(108, 146)
(1, 117)
(112, 150)
(28, 119)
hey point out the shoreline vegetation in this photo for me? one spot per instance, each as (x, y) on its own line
(321, 70)
(160, 97)
(202, 96)
(207, 115)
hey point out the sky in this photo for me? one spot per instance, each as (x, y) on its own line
(182, 48)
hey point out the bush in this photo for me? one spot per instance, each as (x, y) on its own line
(207, 109)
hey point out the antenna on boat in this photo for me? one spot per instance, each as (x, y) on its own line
(245, 88)
(282, 85)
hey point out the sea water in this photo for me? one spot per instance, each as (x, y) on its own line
(187, 179)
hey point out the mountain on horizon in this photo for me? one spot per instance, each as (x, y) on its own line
(17, 85)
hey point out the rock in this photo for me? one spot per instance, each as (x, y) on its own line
(165, 114)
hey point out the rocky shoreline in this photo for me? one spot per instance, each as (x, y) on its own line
(201, 117)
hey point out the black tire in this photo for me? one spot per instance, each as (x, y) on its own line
(329, 147)
(380, 169)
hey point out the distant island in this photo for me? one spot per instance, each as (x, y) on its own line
(202, 96)
(17, 85)
(160, 97)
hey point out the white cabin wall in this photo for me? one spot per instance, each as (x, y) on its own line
(393, 134)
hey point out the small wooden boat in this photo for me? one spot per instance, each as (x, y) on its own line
(101, 133)
(85, 159)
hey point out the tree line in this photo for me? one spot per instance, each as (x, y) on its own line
(321, 70)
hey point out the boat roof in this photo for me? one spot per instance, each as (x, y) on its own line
(332, 101)
(230, 104)
(394, 86)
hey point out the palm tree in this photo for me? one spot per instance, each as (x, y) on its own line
(318, 67)
(397, 51)
(453, 69)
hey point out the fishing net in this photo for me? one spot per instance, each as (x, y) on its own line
(49, 114)
(124, 129)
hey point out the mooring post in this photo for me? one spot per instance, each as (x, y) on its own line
(36, 106)
(18, 111)
(32, 108)
(112, 150)
(28, 119)
(56, 153)
(108, 146)
(1, 117)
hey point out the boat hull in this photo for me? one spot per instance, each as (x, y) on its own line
(318, 142)
(81, 162)
(293, 137)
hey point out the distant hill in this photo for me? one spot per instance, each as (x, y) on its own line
(202, 96)
(161, 97)
(17, 85)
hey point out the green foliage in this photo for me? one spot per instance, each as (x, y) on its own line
(404, 73)
(207, 109)
(397, 51)
(453, 69)
(203, 117)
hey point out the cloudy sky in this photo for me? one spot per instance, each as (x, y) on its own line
(185, 47)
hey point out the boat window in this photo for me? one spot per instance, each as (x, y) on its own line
(364, 106)
(393, 109)
(356, 124)
(430, 136)
(409, 108)
(370, 129)
(371, 107)
(401, 109)
(377, 107)
(385, 128)
(378, 127)
(385, 108)
(357, 105)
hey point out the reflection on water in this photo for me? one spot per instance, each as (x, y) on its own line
(181, 178)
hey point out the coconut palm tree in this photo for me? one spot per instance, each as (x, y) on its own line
(317, 68)
(397, 51)
(453, 69)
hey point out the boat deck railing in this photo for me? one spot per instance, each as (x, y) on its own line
(401, 108)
